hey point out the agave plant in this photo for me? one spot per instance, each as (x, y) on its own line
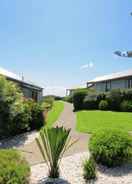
(53, 142)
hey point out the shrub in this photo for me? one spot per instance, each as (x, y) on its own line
(127, 94)
(17, 114)
(53, 143)
(37, 116)
(68, 99)
(13, 168)
(111, 147)
(101, 96)
(90, 101)
(49, 99)
(126, 106)
(14, 115)
(58, 98)
(36, 112)
(114, 98)
(89, 169)
(21, 119)
(78, 98)
(103, 105)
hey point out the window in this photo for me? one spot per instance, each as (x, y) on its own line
(108, 85)
(129, 83)
(34, 95)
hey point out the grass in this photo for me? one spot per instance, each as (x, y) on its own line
(91, 121)
(55, 112)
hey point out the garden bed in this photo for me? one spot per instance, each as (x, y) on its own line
(72, 172)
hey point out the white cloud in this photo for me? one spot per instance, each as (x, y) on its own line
(84, 67)
(91, 64)
(87, 66)
(55, 90)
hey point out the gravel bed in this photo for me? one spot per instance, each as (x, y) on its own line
(71, 172)
(19, 140)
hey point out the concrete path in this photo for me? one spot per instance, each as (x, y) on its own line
(68, 120)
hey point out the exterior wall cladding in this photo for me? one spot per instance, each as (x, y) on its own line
(112, 84)
(29, 93)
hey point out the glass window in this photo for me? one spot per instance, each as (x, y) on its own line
(34, 95)
(129, 83)
(108, 85)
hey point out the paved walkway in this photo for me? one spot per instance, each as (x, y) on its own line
(68, 120)
(27, 144)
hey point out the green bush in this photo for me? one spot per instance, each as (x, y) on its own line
(89, 169)
(114, 98)
(17, 114)
(68, 99)
(49, 99)
(126, 106)
(22, 116)
(90, 101)
(103, 105)
(13, 168)
(110, 147)
(101, 96)
(127, 94)
(37, 115)
(78, 98)
(35, 109)
(14, 114)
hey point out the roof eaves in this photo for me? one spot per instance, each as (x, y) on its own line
(114, 76)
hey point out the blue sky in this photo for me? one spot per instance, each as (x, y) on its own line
(59, 44)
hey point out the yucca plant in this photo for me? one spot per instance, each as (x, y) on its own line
(53, 142)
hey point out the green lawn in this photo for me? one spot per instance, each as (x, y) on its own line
(54, 114)
(91, 121)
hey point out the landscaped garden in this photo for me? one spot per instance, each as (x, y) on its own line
(109, 110)
(19, 115)
(106, 116)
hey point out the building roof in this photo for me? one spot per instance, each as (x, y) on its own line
(112, 76)
(77, 87)
(9, 74)
(17, 78)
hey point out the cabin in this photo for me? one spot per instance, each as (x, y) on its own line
(29, 89)
(120, 80)
(72, 90)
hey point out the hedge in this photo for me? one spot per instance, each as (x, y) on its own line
(78, 99)
(115, 100)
